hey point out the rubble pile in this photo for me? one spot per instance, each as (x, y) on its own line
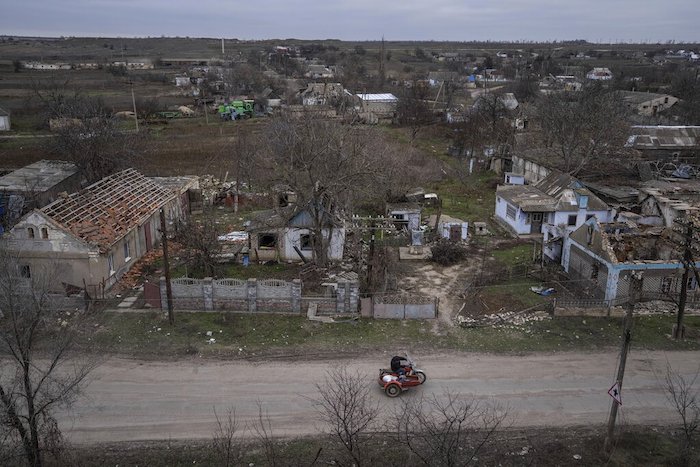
(503, 319)
(214, 190)
(658, 306)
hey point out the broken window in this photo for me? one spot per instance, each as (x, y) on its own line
(510, 212)
(666, 283)
(572, 219)
(30, 232)
(127, 251)
(589, 216)
(110, 264)
(267, 240)
(595, 268)
(44, 233)
(25, 271)
(306, 242)
(692, 283)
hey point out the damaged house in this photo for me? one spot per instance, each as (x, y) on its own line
(95, 235)
(554, 206)
(286, 234)
(659, 142)
(599, 257)
(34, 186)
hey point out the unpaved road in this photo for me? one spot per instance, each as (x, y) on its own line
(134, 400)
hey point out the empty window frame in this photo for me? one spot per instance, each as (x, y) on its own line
(30, 232)
(306, 242)
(267, 240)
(25, 271)
(45, 233)
(110, 264)
(572, 220)
(127, 251)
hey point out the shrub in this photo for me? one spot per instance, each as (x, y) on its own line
(447, 253)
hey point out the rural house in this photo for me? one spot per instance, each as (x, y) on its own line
(647, 103)
(665, 142)
(285, 234)
(376, 107)
(94, 236)
(599, 74)
(601, 256)
(34, 186)
(554, 206)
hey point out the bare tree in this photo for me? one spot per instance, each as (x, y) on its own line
(683, 394)
(345, 406)
(200, 244)
(224, 442)
(85, 131)
(38, 374)
(263, 430)
(582, 127)
(445, 430)
(326, 164)
(89, 136)
(413, 110)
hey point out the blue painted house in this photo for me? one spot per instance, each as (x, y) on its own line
(601, 256)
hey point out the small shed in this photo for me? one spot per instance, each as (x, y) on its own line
(4, 120)
(514, 179)
(406, 215)
(451, 228)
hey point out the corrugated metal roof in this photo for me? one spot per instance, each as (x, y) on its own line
(384, 97)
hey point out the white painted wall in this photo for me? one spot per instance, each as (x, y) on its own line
(519, 225)
(292, 238)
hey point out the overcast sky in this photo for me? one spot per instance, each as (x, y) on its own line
(456, 20)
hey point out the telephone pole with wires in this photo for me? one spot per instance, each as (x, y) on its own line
(635, 289)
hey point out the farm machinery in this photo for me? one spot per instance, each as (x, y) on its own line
(236, 110)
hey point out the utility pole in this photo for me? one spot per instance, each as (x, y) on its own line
(166, 267)
(635, 289)
(133, 101)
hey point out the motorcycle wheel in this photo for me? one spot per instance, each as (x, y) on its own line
(421, 376)
(392, 390)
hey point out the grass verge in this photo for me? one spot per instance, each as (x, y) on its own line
(148, 335)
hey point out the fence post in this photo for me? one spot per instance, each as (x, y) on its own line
(340, 297)
(252, 295)
(208, 293)
(296, 296)
(353, 296)
(163, 294)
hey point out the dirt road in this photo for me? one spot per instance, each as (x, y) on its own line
(134, 400)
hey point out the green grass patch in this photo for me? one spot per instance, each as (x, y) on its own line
(514, 295)
(148, 335)
(516, 254)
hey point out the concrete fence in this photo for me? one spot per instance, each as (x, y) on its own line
(255, 296)
(404, 307)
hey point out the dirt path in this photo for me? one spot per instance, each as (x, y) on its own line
(133, 400)
(445, 283)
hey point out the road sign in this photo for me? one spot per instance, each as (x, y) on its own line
(615, 393)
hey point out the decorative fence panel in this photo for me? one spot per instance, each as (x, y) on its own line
(255, 296)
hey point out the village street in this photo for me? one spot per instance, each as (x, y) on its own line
(130, 400)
